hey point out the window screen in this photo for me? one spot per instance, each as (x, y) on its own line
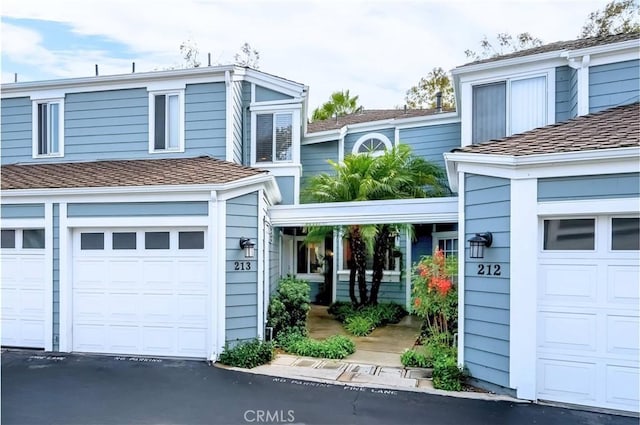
(264, 138)
(489, 112)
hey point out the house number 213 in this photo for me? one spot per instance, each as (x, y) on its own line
(242, 265)
(488, 269)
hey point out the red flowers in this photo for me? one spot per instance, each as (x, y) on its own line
(440, 284)
(417, 302)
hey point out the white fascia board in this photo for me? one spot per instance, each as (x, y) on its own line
(433, 120)
(441, 210)
(322, 137)
(606, 49)
(277, 106)
(272, 82)
(116, 82)
(537, 61)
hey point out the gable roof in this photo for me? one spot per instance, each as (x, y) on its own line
(147, 172)
(581, 43)
(617, 127)
(368, 115)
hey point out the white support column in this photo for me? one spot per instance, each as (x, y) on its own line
(216, 245)
(48, 287)
(337, 250)
(523, 287)
(261, 252)
(462, 250)
(407, 270)
(229, 101)
(66, 281)
(583, 86)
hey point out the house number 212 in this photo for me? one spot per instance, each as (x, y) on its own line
(242, 265)
(488, 269)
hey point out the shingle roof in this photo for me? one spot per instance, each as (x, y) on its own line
(151, 172)
(581, 43)
(617, 127)
(367, 116)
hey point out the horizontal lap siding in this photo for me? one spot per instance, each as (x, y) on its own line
(566, 93)
(15, 131)
(266, 95)
(241, 286)
(614, 84)
(431, 142)
(138, 209)
(236, 111)
(22, 211)
(205, 118)
(106, 125)
(606, 186)
(314, 159)
(486, 298)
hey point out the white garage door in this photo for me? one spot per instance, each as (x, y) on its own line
(23, 287)
(588, 324)
(141, 292)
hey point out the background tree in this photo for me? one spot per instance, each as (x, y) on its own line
(190, 52)
(618, 16)
(504, 43)
(247, 56)
(339, 103)
(423, 95)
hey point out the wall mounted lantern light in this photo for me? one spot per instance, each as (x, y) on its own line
(249, 247)
(478, 243)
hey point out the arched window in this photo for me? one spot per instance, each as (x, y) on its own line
(372, 143)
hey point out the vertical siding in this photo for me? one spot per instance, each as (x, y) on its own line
(274, 260)
(350, 139)
(205, 118)
(15, 131)
(566, 93)
(486, 309)
(314, 159)
(241, 286)
(431, 142)
(107, 125)
(264, 94)
(605, 186)
(56, 277)
(236, 90)
(614, 84)
(287, 187)
(22, 211)
(246, 101)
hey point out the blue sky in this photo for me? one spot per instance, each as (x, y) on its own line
(377, 49)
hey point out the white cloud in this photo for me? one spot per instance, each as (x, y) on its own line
(376, 49)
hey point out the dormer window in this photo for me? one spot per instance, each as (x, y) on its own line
(509, 107)
(373, 143)
(48, 128)
(166, 122)
(274, 137)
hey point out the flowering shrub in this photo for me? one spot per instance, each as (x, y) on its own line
(435, 295)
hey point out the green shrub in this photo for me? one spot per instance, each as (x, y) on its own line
(446, 373)
(334, 347)
(415, 358)
(391, 312)
(360, 324)
(341, 310)
(289, 306)
(247, 354)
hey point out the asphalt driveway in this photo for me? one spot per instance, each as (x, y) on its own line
(42, 388)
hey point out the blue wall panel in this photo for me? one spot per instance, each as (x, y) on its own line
(22, 211)
(431, 142)
(589, 187)
(264, 94)
(138, 209)
(614, 84)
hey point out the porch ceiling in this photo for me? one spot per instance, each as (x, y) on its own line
(428, 210)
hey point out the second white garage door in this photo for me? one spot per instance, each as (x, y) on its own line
(141, 292)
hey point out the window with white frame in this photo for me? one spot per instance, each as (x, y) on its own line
(166, 122)
(274, 137)
(508, 107)
(48, 128)
(391, 259)
(373, 143)
(309, 256)
(447, 242)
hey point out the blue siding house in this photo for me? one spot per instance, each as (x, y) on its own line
(154, 213)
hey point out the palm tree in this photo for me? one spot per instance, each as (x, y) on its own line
(348, 183)
(340, 103)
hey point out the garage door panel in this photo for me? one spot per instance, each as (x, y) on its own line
(89, 306)
(575, 282)
(622, 386)
(124, 273)
(567, 331)
(159, 274)
(623, 335)
(158, 308)
(192, 341)
(192, 308)
(193, 274)
(10, 301)
(90, 273)
(87, 337)
(567, 380)
(31, 302)
(159, 340)
(622, 284)
(124, 339)
(124, 307)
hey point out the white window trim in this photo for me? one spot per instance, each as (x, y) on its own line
(34, 127)
(321, 246)
(438, 236)
(467, 98)
(343, 270)
(379, 136)
(295, 136)
(181, 121)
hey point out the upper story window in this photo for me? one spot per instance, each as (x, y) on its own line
(274, 137)
(166, 122)
(373, 143)
(509, 107)
(48, 128)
